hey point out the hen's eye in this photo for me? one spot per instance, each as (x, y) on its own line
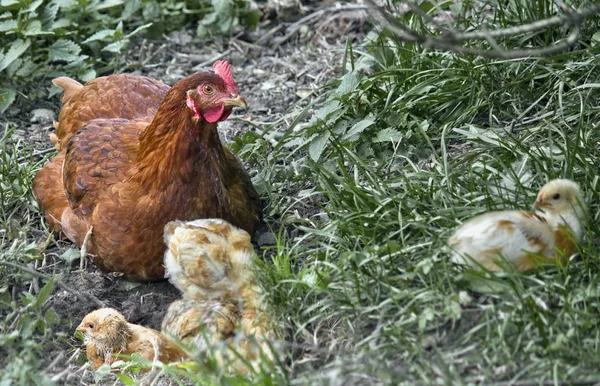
(91, 325)
(556, 196)
(208, 89)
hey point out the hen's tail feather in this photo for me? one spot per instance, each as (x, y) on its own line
(71, 87)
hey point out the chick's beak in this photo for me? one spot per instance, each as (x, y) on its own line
(80, 328)
(540, 204)
(235, 101)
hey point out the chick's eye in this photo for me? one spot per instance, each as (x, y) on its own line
(556, 196)
(208, 89)
(91, 325)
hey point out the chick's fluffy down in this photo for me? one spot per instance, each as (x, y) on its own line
(523, 239)
(513, 235)
(208, 258)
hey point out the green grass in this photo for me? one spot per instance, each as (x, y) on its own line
(402, 149)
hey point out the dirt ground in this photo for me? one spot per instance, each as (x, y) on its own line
(286, 60)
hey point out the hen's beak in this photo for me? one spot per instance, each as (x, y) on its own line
(235, 101)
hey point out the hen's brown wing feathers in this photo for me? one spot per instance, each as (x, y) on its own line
(49, 193)
(249, 204)
(99, 156)
(98, 168)
(117, 96)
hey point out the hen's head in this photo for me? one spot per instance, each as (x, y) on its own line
(560, 197)
(211, 95)
(105, 326)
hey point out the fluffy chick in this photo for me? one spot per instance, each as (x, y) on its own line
(210, 262)
(202, 325)
(522, 238)
(107, 333)
(201, 322)
(208, 259)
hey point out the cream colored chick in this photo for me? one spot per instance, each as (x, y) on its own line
(107, 333)
(201, 322)
(202, 325)
(521, 237)
(210, 262)
(208, 258)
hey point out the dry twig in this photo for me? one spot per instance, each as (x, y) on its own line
(450, 39)
(292, 29)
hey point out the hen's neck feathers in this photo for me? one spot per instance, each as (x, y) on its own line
(176, 146)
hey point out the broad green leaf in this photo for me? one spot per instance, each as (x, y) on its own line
(61, 23)
(201, 31)
(349, 83)
(130, 9)
(88, 75)
(44, 293)
(8, 25)
(17, 48)
(102, 372)
(66, 4)
(51, 317)
(48, 16)
(119, 30)
(425, 316)
(596, 39)
(116, 47)
(102, 5)
(64, 50)
(33, 6)
(209, 19)
(388, 135)
(222, 7)
(100, 35)
(7, 97)
(34, 28)
(11, 70)
(358, 128)
(5, 339)
(70, 255)
(126, 379)
(324, 112)
(316, 147)
(151, 10)
(251, 19)
(426, 6)
(9, 3)
(492, 285)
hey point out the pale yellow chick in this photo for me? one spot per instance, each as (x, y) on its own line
(517, 236)
(210, 262)
(208, 258)
(106, 333)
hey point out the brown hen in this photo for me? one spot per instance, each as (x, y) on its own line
(132, 160)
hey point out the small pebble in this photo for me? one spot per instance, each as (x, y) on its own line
(43, 116)
(266, 239)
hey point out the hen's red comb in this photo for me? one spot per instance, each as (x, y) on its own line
(222, 69)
